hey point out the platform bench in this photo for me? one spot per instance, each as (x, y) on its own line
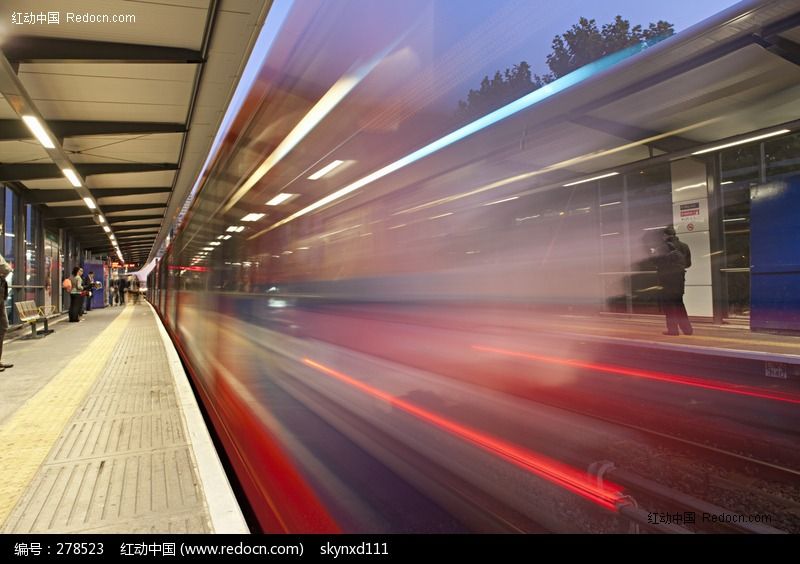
(29, 312)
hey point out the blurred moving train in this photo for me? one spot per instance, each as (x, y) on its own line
(355, 255)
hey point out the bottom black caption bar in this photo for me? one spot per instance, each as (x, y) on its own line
(341, 548)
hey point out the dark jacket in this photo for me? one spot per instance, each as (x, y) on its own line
(671, 264)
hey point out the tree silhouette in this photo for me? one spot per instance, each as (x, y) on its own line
(513, 83)
(583, 43)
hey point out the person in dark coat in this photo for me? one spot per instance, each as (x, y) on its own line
(672, 260)
(123, 286)
(89, 286)
(76, 295)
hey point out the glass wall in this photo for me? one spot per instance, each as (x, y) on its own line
(52, 270)
(634, 209)
(34, 287)
(782, 157)
(740, 170)
(615, 257)
(11, 203)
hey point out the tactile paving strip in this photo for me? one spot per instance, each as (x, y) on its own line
(122, 462)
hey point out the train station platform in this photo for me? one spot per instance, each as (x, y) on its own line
(745, 353)
(730, 340)
(755, 354)
(100, 432)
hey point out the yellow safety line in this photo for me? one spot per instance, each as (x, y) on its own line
(27, 438)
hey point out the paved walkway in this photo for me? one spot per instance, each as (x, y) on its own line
(99, 432)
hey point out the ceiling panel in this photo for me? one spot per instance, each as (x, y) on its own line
(160, 198)
(69, 88)
(22, 151)
(111, 111)
(131, 179)
(48, 184)
(148, 72)
(5, 110)
(155, 210)
(165, 143)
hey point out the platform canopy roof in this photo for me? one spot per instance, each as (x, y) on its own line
(131, 106)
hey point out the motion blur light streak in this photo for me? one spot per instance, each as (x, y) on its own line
(554, 167)
(592, 179)
(489, 119)
(608, 496)
(340, 89)
(315, 115)
(293, 506)
(657, 376)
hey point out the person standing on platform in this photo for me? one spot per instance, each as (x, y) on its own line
(89, 287)
(113, 295)
(76, 295)
(5, 270)
(672, 260)
(122, 287)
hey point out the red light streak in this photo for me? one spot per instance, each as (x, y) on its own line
(648, 375)
(608, 496)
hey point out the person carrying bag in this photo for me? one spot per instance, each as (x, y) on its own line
(76, 294)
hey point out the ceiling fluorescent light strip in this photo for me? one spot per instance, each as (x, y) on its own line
(72, 177)
(325, 170)
(741, 141)
(591, 179)
(279, 199)
(38, 131)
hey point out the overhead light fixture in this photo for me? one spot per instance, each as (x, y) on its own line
(215, 243)
(106, 228)
(741, 141)
(591, 179)
(325, 170)
(90, 203)
(226, 237)
(279, 199)
(38, 131)
(208, 248)
(72, 177)
(102, 219)
(253, 216)
(235, 229)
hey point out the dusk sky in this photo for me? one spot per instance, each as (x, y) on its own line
(503, 32)
(545, 19)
